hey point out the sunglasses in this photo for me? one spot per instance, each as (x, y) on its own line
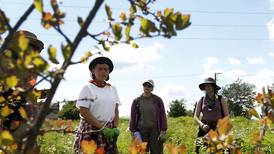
(147, 85)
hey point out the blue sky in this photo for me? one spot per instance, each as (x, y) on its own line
(234, 38)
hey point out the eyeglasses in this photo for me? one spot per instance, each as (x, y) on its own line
(147, 85)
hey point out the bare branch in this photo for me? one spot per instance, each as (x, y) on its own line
(58, 29)
(14, 29)
(45, 107)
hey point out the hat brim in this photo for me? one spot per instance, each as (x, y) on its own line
(101, 60)
(202, 86)
(39, 44)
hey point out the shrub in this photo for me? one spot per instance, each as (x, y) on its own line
(69, 111)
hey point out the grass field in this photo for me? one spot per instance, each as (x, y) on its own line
(180, 131)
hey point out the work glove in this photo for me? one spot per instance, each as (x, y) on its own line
(110, 133)
(162, 136)
(205, 127)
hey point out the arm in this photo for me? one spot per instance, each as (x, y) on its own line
(197, 114)
(163, 119)
(225, 107)
(133, 115)
(116, 117)
(90, 118)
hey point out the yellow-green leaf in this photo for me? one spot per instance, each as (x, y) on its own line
(254, 113)
(23, 112)
(117, 30)
(6, 137)
(168, 12)
(132, 9)
(147, 26)
(109, 12)
(80, 21)
(52, 54)
(123, 16)
(127, 32)
(39, 5)
(66, 50)
(182, 21)
(28, 61)
(2, 99)
(86, 56)
(5, 111)
(11, 81)
(135, 45)
(23, 42)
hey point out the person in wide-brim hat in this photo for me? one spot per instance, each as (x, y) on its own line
(101, 60)
(98, 105)
(33, 40)
(209, 81)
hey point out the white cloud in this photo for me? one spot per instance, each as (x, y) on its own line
(262, 78)
(271, 54)
(210, 62)
(272, 4)
(127, 58)
(255, 60)
(270, 26)
(171, 92)
(210, 67)
(234, 74)
(234, 61)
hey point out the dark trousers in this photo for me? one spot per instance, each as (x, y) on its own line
(153, 145)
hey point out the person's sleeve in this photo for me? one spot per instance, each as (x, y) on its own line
(133, 115)
(163, 119)
(117, 99)
(83, 98)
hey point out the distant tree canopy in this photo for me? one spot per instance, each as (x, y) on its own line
(240, 96)
(177, 108)
(69, 111)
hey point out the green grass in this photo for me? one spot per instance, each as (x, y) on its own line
(180, 131)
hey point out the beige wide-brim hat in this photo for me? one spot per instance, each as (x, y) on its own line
(209, 81)
(33, 40)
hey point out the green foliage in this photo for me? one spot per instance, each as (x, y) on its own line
(240, 96)
(69, 111)
(177, 108)
(181, 130)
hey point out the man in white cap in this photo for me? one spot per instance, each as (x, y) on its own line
(148, 118)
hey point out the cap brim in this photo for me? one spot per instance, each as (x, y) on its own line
(148, 83)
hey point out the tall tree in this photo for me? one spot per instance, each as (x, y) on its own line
(139, 21)
(240, 96)
(177, 108)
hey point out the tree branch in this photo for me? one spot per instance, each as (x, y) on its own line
(14, 29)
(34, 131)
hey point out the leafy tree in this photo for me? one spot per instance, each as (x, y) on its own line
(69, 111)
(177, 108)
(240, 96)
(139, 17)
